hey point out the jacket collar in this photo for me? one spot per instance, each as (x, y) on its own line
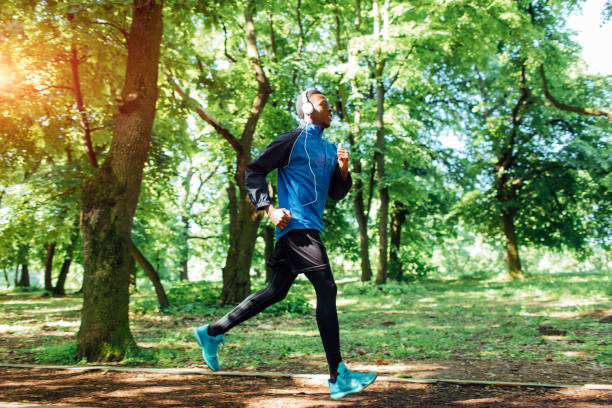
(313, 130)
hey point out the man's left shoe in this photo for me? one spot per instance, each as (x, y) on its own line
(210, 345)
(349, 382)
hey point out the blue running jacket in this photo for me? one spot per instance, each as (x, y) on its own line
(308, 171)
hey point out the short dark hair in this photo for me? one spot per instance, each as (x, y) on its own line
(299, 101)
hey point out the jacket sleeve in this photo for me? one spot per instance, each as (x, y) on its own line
(274, 156)
(339, 187)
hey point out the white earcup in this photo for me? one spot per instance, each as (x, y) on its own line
(307, 107)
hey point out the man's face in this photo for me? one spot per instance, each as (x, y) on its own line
(322, 113)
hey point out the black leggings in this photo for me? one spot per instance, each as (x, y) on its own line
(282, 279)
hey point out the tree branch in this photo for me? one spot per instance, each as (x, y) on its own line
(298, 17)
(371, 189)
(203, 180)
(222, 130)
(506, 159)
(272, 35)
(150, 271)
(204, 238)
(68, 88)
(562, 106)
(263, 85)
(74, 63)
(225, 43)
(118, 28)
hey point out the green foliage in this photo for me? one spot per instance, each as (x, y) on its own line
(135, 355)
(26, 289)
(415, 265)
(370, 289)
(438, 81)
(202, 299)
(536, 166)
(184, 297)
(294, 304)
(55, 353)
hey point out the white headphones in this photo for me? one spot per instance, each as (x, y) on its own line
(307, 107)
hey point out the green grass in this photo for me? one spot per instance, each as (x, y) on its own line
(56, 353)
(544, 318)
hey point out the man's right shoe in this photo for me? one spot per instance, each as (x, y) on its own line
(349, 381)
(210, 345)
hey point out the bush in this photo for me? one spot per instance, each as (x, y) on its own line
(186, 292)
(135, 355)
(294, 303)
(371, 289)
(26, 289)
(415, 267)
(202, 298)
(184, 297)
(57, 353)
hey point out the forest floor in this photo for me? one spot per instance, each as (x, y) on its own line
(105, 388)
(553, 329)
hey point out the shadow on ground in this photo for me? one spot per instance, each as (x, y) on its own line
(103, 388)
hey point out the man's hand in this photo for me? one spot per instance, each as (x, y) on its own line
(343, 159)
(280, 217)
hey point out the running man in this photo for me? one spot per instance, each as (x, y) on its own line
(309, 169)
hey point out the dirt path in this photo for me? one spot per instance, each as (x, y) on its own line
(104, 388)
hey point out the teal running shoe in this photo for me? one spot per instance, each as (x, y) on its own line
(210, 345)
(349, 382)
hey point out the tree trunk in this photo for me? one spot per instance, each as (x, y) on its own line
(6, 278)
(59, 290)
(512, 252)
(398, 217)
(379, 156)
(184, 270)
(110, 197)
(232, 207)
(151, 273)
(186, 210)
(49, 265)
(507, 187)
(236, 273)
(243, 229)
(185, 250)
(243, 232)
(383, 216)
(268, 236)
(24, 280)
(358, 203)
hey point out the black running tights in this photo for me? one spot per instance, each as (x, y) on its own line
(327, 316)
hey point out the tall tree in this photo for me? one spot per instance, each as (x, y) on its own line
(532, 140)
(111, 195)
(243, 219)
(379, 156)
(349, 107)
